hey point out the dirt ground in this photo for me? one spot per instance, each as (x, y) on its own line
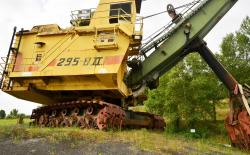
(43, 147)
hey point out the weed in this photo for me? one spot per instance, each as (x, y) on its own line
(52, 152)
(19, 132)
(75, 135)
(148, 140)
(73, 145)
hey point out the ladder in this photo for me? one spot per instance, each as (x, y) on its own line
(7, 63)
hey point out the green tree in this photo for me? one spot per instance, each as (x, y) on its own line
(13, 114)
(235, 52)
(164, 100)
(2, 114)
(190, 91)
(187, 93)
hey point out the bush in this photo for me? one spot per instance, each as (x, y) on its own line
(2, 114)
(199, 133)
(20, 119)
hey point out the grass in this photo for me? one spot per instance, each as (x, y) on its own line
(8, 122)
(160, 142)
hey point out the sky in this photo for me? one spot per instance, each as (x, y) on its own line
(28, 13)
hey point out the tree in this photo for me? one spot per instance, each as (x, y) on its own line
(13, 114)
(2, 114)
(235, 52)
(190, 91)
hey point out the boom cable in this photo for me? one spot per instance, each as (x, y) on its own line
(179, 7)
(152, 41)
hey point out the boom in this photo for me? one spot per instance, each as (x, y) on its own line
(186, 37)
(196, 24)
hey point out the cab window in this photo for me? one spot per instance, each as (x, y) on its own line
(120, 12)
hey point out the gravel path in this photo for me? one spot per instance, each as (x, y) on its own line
(43, 147)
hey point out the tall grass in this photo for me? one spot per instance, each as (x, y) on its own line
(155, 141)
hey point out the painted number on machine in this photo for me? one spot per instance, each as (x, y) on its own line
(88, 61)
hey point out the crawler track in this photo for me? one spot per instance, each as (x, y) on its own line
(93, 114)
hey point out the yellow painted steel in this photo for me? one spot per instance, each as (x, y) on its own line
(88, 58)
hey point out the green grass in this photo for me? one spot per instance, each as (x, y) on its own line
(161, 142)
(138, 108)
(8, 122)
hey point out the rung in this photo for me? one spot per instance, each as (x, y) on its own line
(1, 65)
(13, 50)
(3, 59)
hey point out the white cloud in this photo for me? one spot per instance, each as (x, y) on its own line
(27, 13)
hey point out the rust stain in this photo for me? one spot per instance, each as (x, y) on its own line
(33, 68)
(18, 64)
(239, 133)
(111, 60)
(52, 63)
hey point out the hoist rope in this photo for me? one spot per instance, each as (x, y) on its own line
(179, 7)
(147, 45)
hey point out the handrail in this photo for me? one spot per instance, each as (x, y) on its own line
(29, 61)
(120, 15)
(103, 12)
(97, 37)
(138, 21)
(196, 24)
(161, 34)
(195, 2)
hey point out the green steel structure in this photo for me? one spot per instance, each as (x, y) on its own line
(182, 36)
(197, 24)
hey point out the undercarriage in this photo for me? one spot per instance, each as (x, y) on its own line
(94, 114)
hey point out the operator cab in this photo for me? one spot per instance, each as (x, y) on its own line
(120, 12)
(107, 12)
